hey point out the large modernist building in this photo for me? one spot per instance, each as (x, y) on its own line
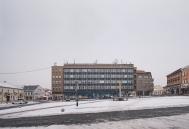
(92, 80)
(97, 80)
(178, 82)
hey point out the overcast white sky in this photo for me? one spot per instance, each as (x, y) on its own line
(152, 34)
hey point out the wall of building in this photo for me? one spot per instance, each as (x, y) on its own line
(175, 78)
(158, 91)
(8, 94)
(34, 95)
(178, 82)
(98, 80)
(185, 81)
(57, 80)
(144, 83)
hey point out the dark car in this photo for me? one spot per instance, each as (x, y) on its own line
(20, 101)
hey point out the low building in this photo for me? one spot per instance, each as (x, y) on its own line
(158, 90)
(48, 94)
(10, 93)
(34, 92)
(144, 83)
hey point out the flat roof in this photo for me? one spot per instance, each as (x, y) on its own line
(98, 66)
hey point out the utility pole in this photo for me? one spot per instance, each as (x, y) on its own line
(76, 92)
(119, 89)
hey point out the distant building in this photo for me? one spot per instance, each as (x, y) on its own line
(178, 82)
(57, 80)
(144, 83)
(48, 94)
(185, 80)
(10, 93)
(93, 80)
(98, 80)
(158, 91)
(34, 92)
(174, 82)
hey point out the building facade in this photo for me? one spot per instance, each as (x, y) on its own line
(57, 80)
(158, 90)
(144, 83)
(92, 80)
(9, 93)
(178, 82)
(98, 80)
(34, 92)
(185, 80)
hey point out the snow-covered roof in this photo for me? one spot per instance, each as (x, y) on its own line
(9, 85)
(30, 87)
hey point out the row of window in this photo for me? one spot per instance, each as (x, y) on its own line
(144, 76)
(98, 70)
(97, 81)
(56, 82)
(56, 89)
(99, 76)
(185, 81)
(185, 74)
(56, 77)
(28, 93)
(174, 80)
(95, 87)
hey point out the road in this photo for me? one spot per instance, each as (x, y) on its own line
(88, 118)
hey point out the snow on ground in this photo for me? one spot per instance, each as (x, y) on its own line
(172, 122)
(6, 104)
(12, 105)
(54, 108)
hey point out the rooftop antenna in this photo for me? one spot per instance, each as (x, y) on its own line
(96, 62)
(55, 64)
(115, 61)
(74, 61)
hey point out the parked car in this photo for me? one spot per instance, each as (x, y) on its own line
(20, 101)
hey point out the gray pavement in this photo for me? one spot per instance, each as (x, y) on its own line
(88, 118)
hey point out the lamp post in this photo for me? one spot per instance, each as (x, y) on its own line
(76, 92)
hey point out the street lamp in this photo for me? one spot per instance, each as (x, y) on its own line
(76, 92)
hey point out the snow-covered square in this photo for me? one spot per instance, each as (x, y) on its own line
(93, 106)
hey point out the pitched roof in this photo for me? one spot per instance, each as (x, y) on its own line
(9, 86)
(30, 87)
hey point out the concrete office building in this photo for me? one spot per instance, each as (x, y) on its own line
(93, 80)
(98, 80)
